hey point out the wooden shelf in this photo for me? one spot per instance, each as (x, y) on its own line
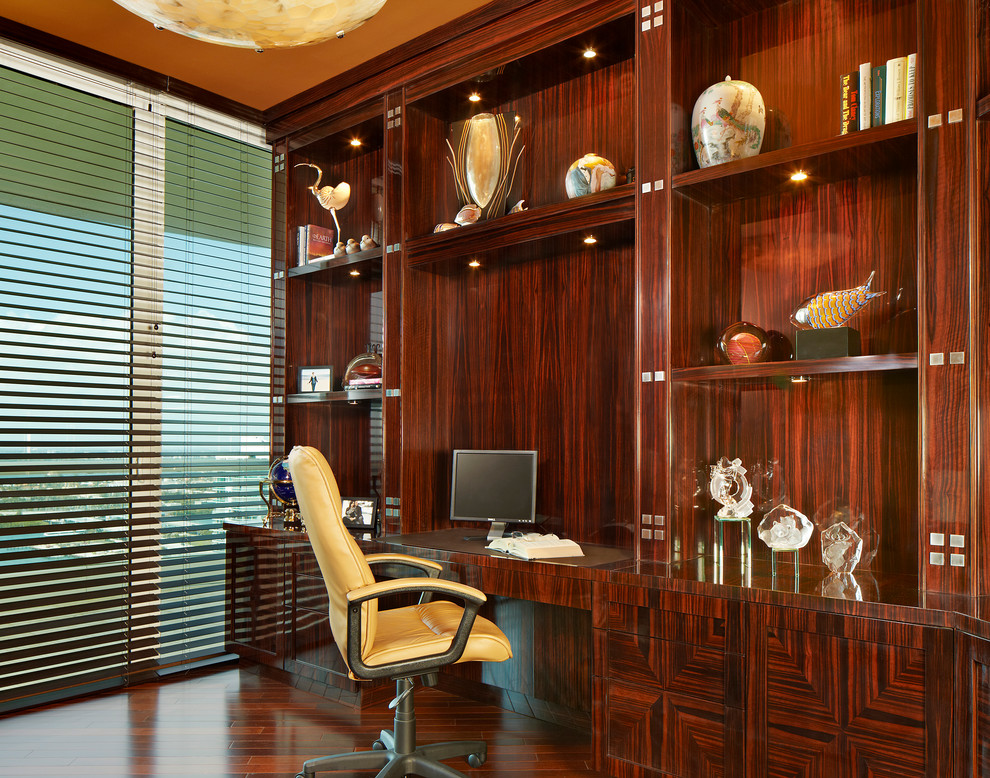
(580, 214)
(365, 262)
(348, 396)
(802, 367)
(857, 154)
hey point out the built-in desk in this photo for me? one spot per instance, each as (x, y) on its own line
(676, 670)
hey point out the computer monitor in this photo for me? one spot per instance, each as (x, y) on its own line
(494, 486)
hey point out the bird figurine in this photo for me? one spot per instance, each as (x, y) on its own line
(833, 309)
(367, 242)
(352, 247)
(330, 197)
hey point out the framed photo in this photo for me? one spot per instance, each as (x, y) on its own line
(316, 379)
(360, 513)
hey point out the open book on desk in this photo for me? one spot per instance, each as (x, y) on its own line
(533, 545)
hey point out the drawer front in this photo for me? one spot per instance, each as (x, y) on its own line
(662, 665)
(676, 626)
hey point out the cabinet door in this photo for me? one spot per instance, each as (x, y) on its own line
(254, 586)
(972, 732)
(840, 697)
(673, 697)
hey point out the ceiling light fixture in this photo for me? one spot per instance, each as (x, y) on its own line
(256, 24)
(591, 240)
(355, 141)
(799, 176)
(474, 263)
(474, 97)
(589, 53)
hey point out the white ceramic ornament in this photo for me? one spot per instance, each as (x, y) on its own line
(727, 123)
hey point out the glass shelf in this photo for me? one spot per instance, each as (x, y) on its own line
(349, 396)
(856, 154)
(580, 214)
(368, 262)
(801, 367)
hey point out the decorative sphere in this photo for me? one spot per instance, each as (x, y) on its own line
(256, 24)
(727, 123)
(742, 344)
(281, 482)
(589, 174)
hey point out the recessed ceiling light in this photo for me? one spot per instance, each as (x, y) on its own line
(355, 141)
(589, 53)
(474, 97)
(474, 263)
(590, 240)
(799, 176)
(355, 272)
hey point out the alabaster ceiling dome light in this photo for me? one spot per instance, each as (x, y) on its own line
(256, 24)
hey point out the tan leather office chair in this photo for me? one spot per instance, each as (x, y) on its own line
(399, 643)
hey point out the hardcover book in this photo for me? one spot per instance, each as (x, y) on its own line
(315, 243)
(878, 79)
(896, 88)
(912, 60)
(849, 105)
(865, 96)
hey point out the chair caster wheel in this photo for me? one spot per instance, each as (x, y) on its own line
(378, 745)
(475, 760)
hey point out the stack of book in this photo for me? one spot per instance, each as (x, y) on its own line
(873, 96)
(314, 243)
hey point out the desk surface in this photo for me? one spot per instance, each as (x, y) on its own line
(863, 594)
(455, 541)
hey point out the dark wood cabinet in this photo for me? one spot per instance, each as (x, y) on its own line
(515, 332)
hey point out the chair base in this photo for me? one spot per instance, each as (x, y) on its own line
(395, 754)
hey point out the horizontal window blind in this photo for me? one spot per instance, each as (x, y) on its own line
(134, 383)
(215, 370)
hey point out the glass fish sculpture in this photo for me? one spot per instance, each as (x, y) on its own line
(833, 309)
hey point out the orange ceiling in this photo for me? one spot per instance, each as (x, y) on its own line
(256, 80)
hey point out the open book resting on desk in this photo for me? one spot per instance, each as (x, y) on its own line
(536, 546)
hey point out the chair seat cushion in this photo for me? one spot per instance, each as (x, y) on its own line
(421, 630)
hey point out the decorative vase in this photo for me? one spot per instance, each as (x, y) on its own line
(591, 173)
(743, 343)
(484, 157)
(727, 123)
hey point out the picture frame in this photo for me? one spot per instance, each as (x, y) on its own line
(316, 378)
(360, 515)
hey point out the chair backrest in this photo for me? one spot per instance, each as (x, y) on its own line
(341, 561)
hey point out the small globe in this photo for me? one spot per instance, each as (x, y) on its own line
(281, 482)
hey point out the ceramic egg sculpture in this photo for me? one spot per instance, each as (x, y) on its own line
(727, 123)
(591, 173)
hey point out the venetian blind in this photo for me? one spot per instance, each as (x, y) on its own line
(133, 383)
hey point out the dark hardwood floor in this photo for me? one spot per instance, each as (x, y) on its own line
(233, 723)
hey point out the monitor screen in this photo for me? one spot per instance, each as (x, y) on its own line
(494, 486)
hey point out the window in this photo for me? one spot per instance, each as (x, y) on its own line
(134, 374)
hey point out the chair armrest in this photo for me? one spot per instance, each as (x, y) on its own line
(428, 566)
(471, 597)
(403, 585)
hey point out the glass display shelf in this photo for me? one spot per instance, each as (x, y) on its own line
(347, 396)
(798, 367)
(856, 154)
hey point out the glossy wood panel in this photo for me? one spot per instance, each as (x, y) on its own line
(818, 445)
(846, 697)
(530, 355)
(981, 353)
(653, 164)
(947, 253)
(972, 708)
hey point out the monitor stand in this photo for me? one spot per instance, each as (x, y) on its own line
(496, 531)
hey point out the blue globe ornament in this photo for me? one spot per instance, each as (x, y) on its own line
(281, 482)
